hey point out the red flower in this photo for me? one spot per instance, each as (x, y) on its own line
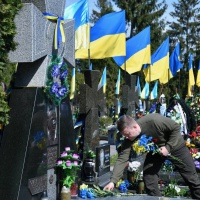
(193, 150)
(193, 134)
(155, 140)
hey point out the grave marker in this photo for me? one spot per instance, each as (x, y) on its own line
(129, 96)
(35, 136)
(90, 98)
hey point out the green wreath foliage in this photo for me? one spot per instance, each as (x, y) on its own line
(57, 87)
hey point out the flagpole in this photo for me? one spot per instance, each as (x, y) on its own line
(125, 69)
(88, 58)
(168, 88)
(179, 81)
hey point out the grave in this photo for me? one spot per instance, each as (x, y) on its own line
(37, 132)
(90, 101)
(102, 165)
(129, 96)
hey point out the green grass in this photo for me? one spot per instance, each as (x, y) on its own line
(113, 159)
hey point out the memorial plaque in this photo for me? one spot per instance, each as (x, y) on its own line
(103, 159)
(38, 184)
(52, 153)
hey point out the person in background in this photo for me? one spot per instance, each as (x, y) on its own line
(166, 133)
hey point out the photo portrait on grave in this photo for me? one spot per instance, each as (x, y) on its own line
(52, 127)
(101, 157)
(166, 135)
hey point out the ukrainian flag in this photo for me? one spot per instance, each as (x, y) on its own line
(90, 66)
(102, 82)
(80, 12)
(198, 76)
(119, 105)
(191, 77)
(138, 52)
(154, 92)
(174, 62)
(118, 83)
(72, 84)
(107, 38)
(138, 86)
(159, 69)
(145, 91)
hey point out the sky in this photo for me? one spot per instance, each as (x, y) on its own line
(92, 6)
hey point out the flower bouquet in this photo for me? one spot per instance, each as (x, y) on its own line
(173, 190)
(69, 163)
(167, 167)
(134, 171)
(95, 191)
(147, 144)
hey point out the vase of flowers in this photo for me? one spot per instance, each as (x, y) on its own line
(88, 165)
(69, 164)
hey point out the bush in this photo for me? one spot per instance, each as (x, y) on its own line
(105, 121)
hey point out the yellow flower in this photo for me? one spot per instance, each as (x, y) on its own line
(138, 149)
(118, 183)
(83, 186)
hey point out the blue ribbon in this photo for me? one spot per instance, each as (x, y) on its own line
(59, 35)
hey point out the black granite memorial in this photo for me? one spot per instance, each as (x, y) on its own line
(129, 96)
(38, 131)
(102, 159)
(31, 144)
(90, 99)
(102, 166)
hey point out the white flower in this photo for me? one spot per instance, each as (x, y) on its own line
(188, 140)
(133, 166)
(175, 187)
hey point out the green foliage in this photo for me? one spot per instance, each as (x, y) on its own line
(113, 159)
(102, 193)
(185, 27)
(88, 152)
(104, 6)
(8, 10)
(4, 109)
(173, 190)
(105, 121)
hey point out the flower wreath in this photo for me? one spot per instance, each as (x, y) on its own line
(57, 86)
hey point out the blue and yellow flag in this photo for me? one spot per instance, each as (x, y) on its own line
(138, 86)
(159, 69)
(174, 60)
(118, 83)
(145, 91)
(107, 38)
(198, 76)
(154, 92)
(80, 12)
(119, 105)
(102, 82)
(90, 66)
(72, 91)
(138, 52)
(191, 81)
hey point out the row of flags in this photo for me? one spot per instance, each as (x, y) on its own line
(107, 39)
(144, 94)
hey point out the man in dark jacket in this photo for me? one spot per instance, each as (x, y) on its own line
(167, 134)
